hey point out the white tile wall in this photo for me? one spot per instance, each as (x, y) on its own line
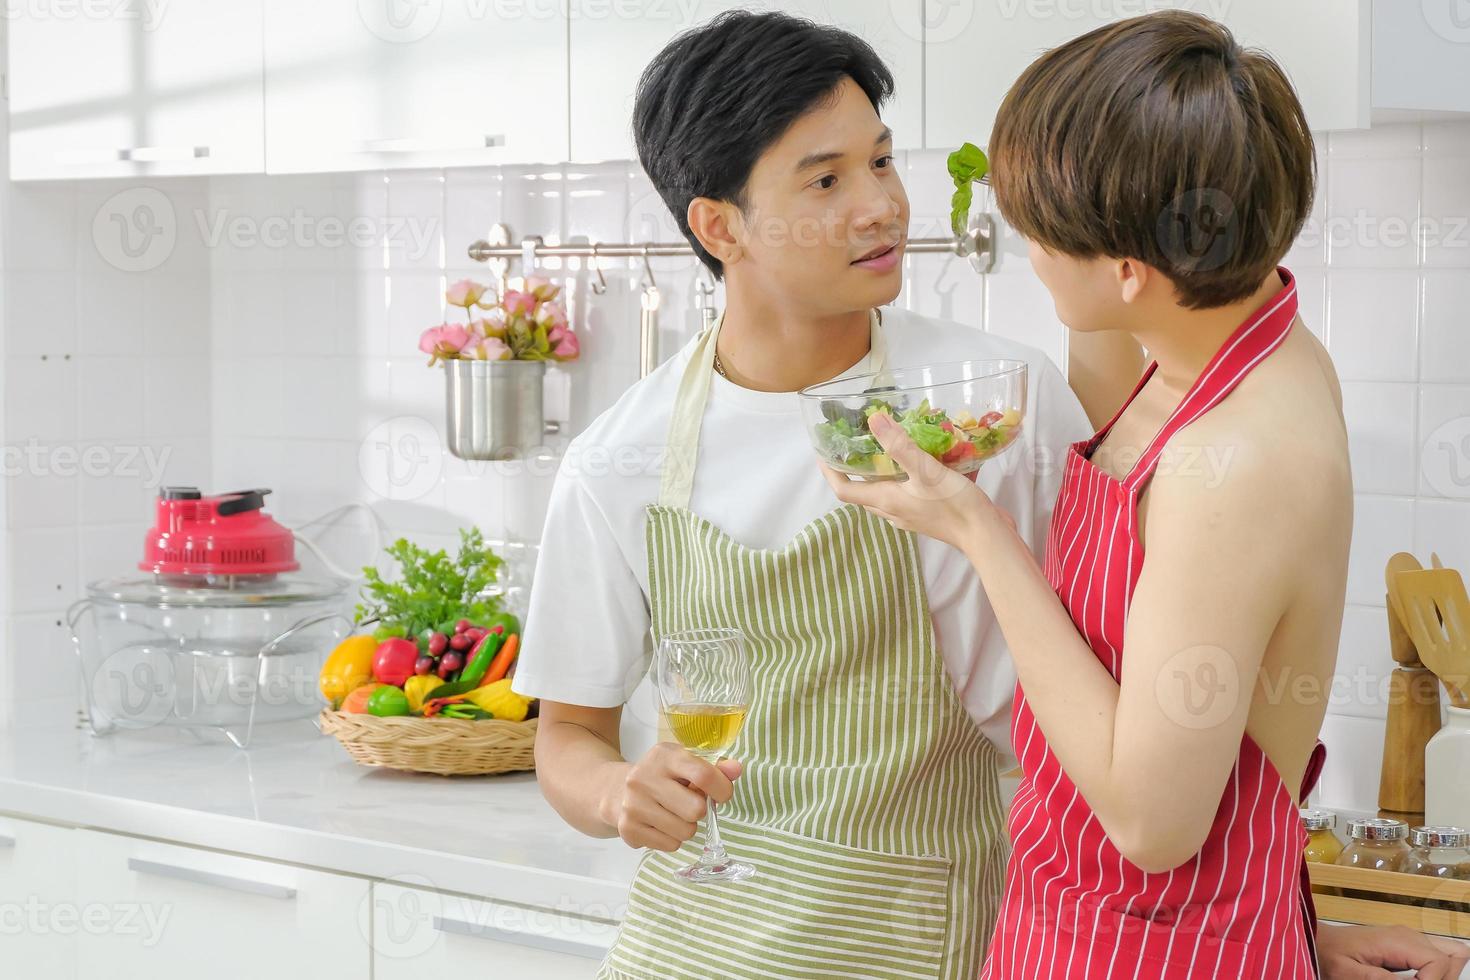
(1398, 292)
(106, 395)
(277, 346)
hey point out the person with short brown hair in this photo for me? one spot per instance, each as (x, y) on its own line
(1196, 563)
(1162, 140)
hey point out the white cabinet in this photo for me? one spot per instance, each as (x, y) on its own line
(378, 84)
(1421, 60)
(193, 913)
(39, 915)
(421, 933)
(974, 51)
(611, 44)
(135, 89)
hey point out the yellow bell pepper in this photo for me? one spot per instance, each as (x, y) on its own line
(417, 688)
(348, 667)
(500, 701)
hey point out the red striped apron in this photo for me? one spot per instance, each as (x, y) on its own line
(1073, 906)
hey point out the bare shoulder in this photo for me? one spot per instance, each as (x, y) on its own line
(1275, 448)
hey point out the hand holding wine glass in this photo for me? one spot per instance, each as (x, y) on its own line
(704, 689)
(665, 794)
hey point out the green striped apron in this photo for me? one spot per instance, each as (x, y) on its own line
(869, 800)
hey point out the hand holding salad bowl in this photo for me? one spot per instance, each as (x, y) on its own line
(907, 444)
(961, 414)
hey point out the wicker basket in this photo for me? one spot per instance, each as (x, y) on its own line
(446, 746)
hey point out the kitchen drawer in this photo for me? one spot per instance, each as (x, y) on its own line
(419, 933)
(39, 915)
(199, 913)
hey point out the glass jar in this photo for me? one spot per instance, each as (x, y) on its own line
(1380, 844)
(1323, 847)
(1439, 852)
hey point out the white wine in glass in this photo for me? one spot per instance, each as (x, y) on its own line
(703, 679)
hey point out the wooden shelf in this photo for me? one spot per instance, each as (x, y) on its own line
(1389, 898)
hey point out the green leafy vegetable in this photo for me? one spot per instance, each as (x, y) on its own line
(967, 165)
(432, 589)
(929, 437)
(843, 442)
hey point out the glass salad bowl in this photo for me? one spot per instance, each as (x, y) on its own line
(961, 413)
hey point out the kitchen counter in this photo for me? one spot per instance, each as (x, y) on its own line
(295, 796)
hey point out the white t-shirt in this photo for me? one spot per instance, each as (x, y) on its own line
(587, 632)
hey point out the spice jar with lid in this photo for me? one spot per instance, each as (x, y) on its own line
(1380, 844)
(1439, 852)
(1323, 847)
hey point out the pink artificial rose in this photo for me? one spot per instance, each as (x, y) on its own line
(465, 293)
(565, 346)
(491, 325)
(489, 349)
(519, 302)
(541, 287)
(443, 342)
(550, 315)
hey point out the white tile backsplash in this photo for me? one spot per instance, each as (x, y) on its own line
(41, 568)
(1363, 666)
(276, 345)
(49, 667)
(40, 399)
(1373, 335)
(1444, 443)
(1354, 762)
(110, 397)
(1382, 526)
(1446, 224)
(1380, 420)
(1445, 335)
(1372, 209)
(1443, 527)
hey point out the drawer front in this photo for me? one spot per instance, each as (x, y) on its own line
(200, 913)
(418, 932)
(40, 917)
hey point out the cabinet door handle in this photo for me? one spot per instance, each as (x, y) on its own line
(133, 154)
(268, 889)
(554, 944)
(6, 841)
(411, 145)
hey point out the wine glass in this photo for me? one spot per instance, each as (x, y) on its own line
(703, 679)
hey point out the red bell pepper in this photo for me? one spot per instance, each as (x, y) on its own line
(394, 660)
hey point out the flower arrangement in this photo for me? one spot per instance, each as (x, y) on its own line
(527, 323)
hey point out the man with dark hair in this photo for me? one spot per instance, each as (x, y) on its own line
(867, 796)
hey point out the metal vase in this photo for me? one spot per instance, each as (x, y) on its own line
(494, 409)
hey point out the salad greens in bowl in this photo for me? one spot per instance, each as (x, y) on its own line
(961, 413)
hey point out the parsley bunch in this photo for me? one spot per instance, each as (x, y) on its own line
(432, 590)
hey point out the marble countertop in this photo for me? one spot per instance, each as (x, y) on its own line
(296, 796)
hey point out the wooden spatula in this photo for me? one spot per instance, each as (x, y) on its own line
(1437, 616)
(1413, 710)
(1400, 645)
